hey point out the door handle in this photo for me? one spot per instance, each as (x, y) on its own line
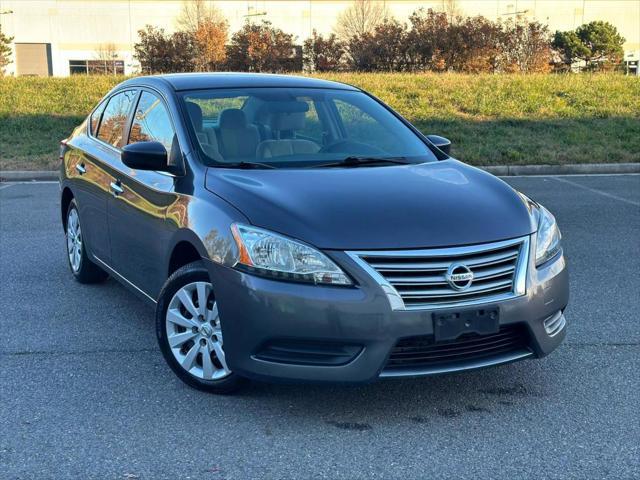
(80, 168)
(116, 188)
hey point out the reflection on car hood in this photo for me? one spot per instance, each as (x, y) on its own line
(436, 204)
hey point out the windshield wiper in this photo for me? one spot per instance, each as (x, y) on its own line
(247, 165)
(354, 161)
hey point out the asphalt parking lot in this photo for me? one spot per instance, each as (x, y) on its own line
(85, 393)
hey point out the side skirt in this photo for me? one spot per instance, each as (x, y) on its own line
(129, 285)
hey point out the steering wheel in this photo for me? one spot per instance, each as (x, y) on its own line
(351, 147)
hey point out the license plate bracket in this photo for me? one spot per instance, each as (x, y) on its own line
(450, 325)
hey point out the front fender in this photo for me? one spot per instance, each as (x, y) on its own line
(205, 222)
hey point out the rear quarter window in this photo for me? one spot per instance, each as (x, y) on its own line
(94, 121)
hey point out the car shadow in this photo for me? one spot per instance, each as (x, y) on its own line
(417, 401)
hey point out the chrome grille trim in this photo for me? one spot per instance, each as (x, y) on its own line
(415, 279)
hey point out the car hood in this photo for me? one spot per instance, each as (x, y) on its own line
(436, 204)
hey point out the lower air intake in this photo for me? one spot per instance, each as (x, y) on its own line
(423, 354)
(303, 352)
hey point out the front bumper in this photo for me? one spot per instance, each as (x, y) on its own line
(352, 331)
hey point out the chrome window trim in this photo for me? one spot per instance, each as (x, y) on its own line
(395, 299)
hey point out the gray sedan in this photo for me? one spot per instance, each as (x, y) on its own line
(296, 229)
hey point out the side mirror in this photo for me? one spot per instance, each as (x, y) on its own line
(442, 143)
(145, 156)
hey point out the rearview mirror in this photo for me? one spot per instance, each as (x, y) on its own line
(442, 143)
(145, 156)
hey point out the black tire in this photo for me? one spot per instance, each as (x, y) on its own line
(188, 274)
(87, 271)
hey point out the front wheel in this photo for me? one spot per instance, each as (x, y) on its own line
(189, 331)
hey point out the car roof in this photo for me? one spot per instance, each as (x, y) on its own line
(200, 81)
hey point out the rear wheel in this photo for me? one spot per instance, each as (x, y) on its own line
(83, 269)
(189, 331)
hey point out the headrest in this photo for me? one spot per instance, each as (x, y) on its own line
(287, 107)
(232, 118)
(195, 113)
(287, 121)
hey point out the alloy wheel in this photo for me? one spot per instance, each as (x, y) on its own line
(74, 240)
(194, 332)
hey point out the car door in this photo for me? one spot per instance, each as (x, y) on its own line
(88, 168)
(136, 212)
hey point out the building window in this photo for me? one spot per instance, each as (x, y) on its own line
(96, 67)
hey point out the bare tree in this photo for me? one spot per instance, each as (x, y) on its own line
(363, 16)
(452, 9)
(195, 13)
(106, 51)
(105, 55)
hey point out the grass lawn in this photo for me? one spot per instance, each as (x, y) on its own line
(491, 119)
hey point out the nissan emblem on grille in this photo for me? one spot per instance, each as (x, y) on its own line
(459, 276)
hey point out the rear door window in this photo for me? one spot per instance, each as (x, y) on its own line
(114, 118)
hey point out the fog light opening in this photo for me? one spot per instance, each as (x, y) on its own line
(555, 323)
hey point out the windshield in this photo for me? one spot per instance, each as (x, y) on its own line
(298, 127)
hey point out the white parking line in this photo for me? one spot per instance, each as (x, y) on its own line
(573, 175)
(28, 182)
(599, 192)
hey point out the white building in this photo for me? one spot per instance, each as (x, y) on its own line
(60, 37)
(632, 62)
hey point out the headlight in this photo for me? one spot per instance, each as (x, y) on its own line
(548, 236)
(266, 253)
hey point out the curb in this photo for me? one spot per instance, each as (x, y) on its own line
(576, 169)
(28, 176)
(499, 170)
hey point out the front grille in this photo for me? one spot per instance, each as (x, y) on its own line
(422, 353)
(419, 276)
